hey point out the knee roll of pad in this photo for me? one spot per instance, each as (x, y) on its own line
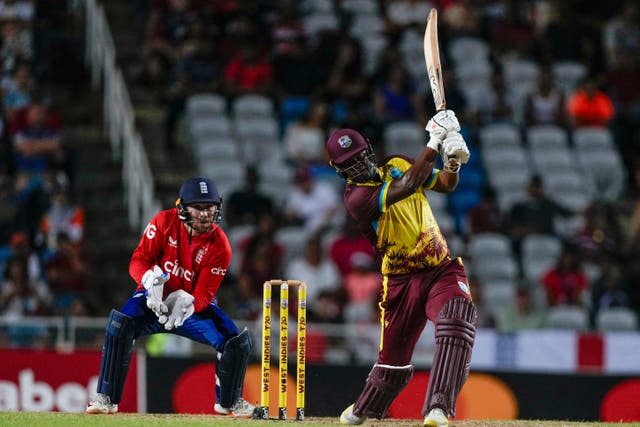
(383, 384)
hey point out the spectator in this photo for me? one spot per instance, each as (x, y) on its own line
(63, 216)
(566, 283)
(37, 145)
(312, 204)
(66, 271)
(304, 139)
(396, 99)
(249, 71)
(261, 256)
(296, 72)
(17, 43)
(588, 105)
(328, 308)
(486, 216)
(621, 35)
(546, 105)
(21, 296)
(523, 314)
(597, 239)
(287, 29)
(348, 244)
(313, 268)
(363, 282)
(610, 289)
(18, 88)
(167, 29)
(9, 209)
(535, 214)
(21, 247)
(247, 204)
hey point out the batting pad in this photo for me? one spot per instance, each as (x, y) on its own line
(455, 334)
(383, 384)
(116, 355)
(232, 367)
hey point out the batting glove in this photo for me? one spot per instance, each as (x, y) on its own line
(153, 281)
(180, 305)
(454, 152)
(439, 126)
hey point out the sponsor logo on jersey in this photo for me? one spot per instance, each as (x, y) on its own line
(464, 287)
(176, 270)
(173, 242)
(218, 271)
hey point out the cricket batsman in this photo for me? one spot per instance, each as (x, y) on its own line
(178, 266)
(420, 280)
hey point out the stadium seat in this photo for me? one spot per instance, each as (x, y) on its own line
(252, 105)
(293, 240)
(205, 104)
(568, 317)
(321, 21)
(219, 126)
(500, 134)
(616, 319)
(567, 74)
(539, 253)
(488, 245)
(406, 138)
(464, 49)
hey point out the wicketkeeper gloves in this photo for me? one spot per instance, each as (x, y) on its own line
(180, 305)
(153, 281)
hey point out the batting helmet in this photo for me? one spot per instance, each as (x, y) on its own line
(351, 154)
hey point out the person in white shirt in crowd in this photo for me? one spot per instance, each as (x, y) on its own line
(313, 204)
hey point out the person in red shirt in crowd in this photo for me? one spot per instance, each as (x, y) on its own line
(590, 106)
(249, 71)
(178, 266)
(348, 243)
(566, 282)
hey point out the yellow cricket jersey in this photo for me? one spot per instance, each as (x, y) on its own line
(405, 234)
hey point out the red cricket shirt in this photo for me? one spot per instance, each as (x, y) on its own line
(196, 264)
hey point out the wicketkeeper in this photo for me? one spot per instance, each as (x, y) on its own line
(179, 264)
(420, 281)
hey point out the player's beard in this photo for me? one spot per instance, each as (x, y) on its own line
(201, 226)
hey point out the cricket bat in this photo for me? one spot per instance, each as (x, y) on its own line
(432, 59)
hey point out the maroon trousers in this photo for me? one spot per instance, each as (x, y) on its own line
(409, 300)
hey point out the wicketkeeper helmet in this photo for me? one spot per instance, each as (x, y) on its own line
(198, 190)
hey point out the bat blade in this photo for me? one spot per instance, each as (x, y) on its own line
(432, 59)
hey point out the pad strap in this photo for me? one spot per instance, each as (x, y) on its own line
(232, 367)
(384, 383)
(116, 355)
(455, 334)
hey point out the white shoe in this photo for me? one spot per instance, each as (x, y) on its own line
(436, 418)
(347, 417)
(101, 404)
(241, 408)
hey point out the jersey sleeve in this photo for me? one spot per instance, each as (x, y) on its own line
(211, 275)
(366, 203)
(149, 250)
